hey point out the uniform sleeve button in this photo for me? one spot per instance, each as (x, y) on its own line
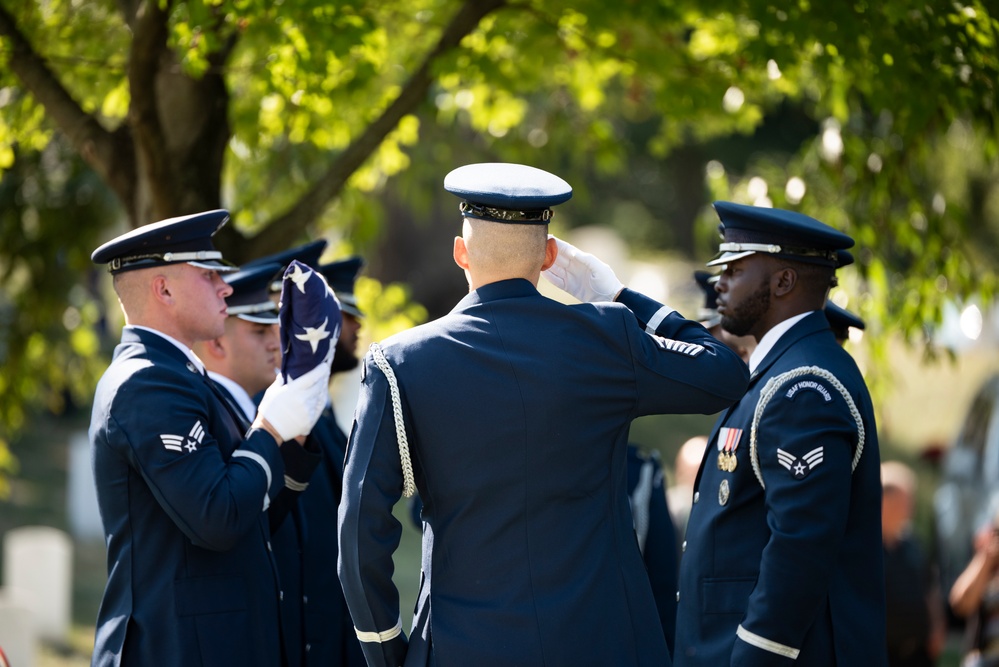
(697, 496)
(683, 547)
(678, 596)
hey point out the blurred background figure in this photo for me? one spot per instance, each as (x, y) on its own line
(711, 320)
(655, 532)
(916, 628)
(680, 495)
(975, 597)
(841, 321)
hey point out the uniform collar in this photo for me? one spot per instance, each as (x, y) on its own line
(502, 289)
(238, 394)
(797, 328)
(770, 339)
(188, 352)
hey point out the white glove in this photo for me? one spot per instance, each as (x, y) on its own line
(582, 275)
(293, 408)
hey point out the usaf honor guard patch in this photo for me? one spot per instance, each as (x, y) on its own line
(800, 468)
(811, 385)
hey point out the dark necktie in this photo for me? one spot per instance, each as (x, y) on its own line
(234, 410)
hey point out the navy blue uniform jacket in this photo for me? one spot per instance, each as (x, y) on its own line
(517, 410)
(791, 574)
(191, 580)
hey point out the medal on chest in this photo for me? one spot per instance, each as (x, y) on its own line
(723, 492)
(728, 442)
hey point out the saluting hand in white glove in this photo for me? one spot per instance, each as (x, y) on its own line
(582, 275)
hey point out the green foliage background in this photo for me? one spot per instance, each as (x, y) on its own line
(307, 118)
(340, 119)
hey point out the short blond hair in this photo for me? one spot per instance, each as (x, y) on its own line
(130, 288)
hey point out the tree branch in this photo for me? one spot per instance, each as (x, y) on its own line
(311, 205)
(104, 151)
(129, 9)
(149, 48)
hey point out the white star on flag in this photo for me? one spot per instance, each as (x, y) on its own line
(313, 335)
(299, 277)
(309, 321)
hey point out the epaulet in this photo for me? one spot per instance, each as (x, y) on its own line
(776, 386)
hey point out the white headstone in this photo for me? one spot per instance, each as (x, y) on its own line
(38, 563)
(81, 492)
(17, 628)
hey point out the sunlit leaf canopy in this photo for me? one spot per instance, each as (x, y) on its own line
(903, 98)
(876, 117)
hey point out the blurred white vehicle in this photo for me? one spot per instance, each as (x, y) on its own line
(968, 496)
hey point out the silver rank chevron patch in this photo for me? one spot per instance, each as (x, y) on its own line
(679, 346)
(800, 468)
(179, 443)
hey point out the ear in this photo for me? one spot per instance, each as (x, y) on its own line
(216, 348)
(784, 281)
(160, 288)
(551, 253)
(460, 253)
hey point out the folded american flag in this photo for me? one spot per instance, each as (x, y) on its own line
(310, 321)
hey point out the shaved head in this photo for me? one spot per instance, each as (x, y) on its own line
(132, 288)
(499, 247)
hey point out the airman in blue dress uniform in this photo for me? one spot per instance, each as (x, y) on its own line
(655, 532)
(182, 488)
(317, 628)
(510, 415)
(307, 253)
(315, 625)
(782, 561)
(327, 630)
(242, 363)
(842, 320)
